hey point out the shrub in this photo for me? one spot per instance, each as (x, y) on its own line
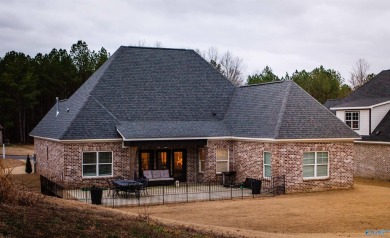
(28, 165)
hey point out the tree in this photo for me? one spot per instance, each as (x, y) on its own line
(321, 83)
(28, 165)
(265, 76)
(359, 74)
(19, 92)
(230, 66)
(28, 87)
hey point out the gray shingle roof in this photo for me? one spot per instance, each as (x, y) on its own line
(381, 132)
(140, 84)
(375, 91)
(149, 93)
(172, 129)
(282, 110)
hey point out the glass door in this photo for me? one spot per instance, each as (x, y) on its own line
(146, 161)
(178, 165)
(162, 159)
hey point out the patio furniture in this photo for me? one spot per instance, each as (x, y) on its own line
(158, 177)
(127, 187)
(228, 178)
(144, 185)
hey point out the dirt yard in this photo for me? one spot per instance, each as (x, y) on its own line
(324, 214)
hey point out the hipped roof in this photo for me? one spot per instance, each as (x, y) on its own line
(154, 93)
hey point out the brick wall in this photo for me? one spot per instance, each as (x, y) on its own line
(50, 159)
(62, 162)
(287, 159)
(372, 161)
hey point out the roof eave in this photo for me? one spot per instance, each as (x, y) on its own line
(360, 107)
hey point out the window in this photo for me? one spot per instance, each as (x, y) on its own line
(315, 165)
(267, 165)
(97, 164)
(352, 120)
(222, 160)
(202, 159)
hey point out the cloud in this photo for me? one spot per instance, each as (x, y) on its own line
(286, 35)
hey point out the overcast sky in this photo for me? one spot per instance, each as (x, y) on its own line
(285, 35)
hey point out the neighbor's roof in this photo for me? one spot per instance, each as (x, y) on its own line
(155, 93)
(381, 132)
(373, 92)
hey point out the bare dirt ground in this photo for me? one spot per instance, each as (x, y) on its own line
(323, 214)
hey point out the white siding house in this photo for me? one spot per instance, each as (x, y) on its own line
(378, 113)
(363, 120)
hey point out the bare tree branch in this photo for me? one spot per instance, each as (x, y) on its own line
(359, 74)
(231, 67)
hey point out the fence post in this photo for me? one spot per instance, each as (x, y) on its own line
(187, 190)
(209, 191)
(163, 193)
(231, 192)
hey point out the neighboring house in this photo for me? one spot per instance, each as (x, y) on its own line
(1, 134)
(367, 111)
(155, 108)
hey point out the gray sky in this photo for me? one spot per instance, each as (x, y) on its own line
(285, 35)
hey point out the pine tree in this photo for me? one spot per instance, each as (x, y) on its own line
(28, 165)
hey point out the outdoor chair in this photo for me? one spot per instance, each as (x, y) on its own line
(109, 187)
(144, 186)
(133, 189)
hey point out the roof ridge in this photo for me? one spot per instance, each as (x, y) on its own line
(71, 121)
(155, 48)
(109, 62)
(259, 84)
(105, 108)
(282, 111)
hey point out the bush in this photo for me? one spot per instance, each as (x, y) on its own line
(28, 165)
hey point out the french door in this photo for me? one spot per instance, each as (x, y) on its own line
(172, 159)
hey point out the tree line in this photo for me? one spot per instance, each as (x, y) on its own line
(29, 86)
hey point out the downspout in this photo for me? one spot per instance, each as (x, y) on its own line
(369, 121)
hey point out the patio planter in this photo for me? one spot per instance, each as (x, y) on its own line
(96, 195)
(256, 186)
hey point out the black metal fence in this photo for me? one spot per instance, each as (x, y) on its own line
(166, 194)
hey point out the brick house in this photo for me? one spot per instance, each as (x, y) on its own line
(155, 108)
(367, 111)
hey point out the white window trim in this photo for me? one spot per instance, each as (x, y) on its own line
(97, 164)
(264, 164)
(228, 155)
(315, 166)
(358, 120)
